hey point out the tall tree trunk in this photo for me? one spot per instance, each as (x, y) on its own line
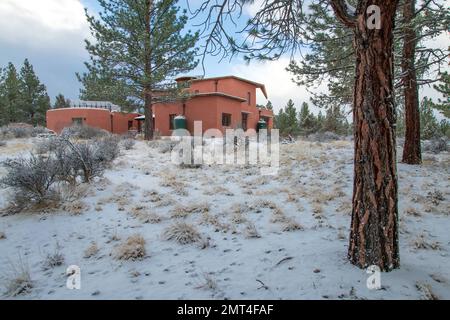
(411, 151)
(374, 226)
(148, 111)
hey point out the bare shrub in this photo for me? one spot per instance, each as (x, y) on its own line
(182, 233)
(83, 132)
(209, 282)
(33, 178)
(107, 149)
(18, 280)
(47, 145)
(21, 130)
(91, 251)
(132, 249)
(436, 145)
(76, 207)
(435, 197)
(128, 144)
(53, 260)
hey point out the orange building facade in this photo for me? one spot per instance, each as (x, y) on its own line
(222, 103)
(114, 122)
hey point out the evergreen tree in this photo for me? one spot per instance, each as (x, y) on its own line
(429, 125)
(11, 95)
(443, 105)
(34, 100)
(142, 45)
(3, 111)
(291, 118)
(269, 105)
(61, 102)
(335, 121)
(308, 122)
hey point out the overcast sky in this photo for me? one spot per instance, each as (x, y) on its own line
(50, 34)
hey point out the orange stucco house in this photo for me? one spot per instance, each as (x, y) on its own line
(219, 102)
(98, 114)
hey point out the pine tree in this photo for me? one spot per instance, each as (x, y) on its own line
(290, 111)
(430, 126)
(11, 95)
(142, 44)
(269, 105)
(308, 122)
(335, 121)
(61, 102)
(34, 100)
(443, 105)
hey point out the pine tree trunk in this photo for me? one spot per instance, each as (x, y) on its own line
(411, 151)
(374, 226)
(148, 112)
(148, 125)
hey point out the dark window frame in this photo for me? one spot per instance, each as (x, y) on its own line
(226, 119)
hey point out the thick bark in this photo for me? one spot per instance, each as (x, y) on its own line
(411, 151)
(148, 112)
(374, 226)
(148, 125)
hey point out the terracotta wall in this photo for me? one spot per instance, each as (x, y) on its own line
(115, 122)
(58, 119)
(120, 122)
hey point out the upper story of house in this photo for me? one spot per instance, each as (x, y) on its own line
(232, 86)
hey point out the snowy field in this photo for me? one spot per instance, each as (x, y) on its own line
(255, 237)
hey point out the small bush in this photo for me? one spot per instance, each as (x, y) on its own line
(21, 130)
(18, 281)
(182, 233)
(436, 145)
(53, 260)
(106, 149)
(83, 132)
(132, 249)
(128, 144)
(33, 178)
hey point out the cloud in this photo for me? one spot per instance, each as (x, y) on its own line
(50, 33)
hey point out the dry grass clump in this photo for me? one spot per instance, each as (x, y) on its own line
(412, 212)
(218, 190)
(182, 233)
(291, 225)
(317, 210)
(18, 282)
(169, 180)
(91, 251)
(53, 260)
(426, 291)
(435, 197)
(421, 243)
(251, 231)
(238, 218)
(183, 211)
(132, 249)
(260, 204)
(151, 196)
(76, 208)
(209, 282)
(2, 235)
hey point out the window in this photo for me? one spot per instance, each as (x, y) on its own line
(249, 96)
(77, 121)
(171, 121)
(226, 119)
(244, 121)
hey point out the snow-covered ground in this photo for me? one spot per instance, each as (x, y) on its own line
(262, 237)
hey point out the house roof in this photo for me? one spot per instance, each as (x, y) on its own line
(194, 79)
(220, 94)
